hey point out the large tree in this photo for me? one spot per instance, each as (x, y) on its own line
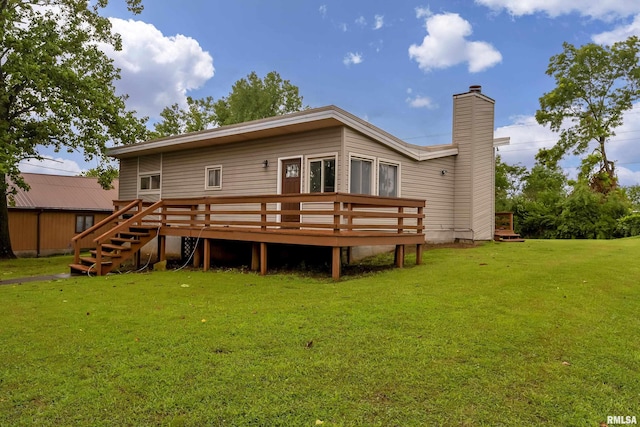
(198, 115)
(56, 88)
(595, 85)
(254, 98)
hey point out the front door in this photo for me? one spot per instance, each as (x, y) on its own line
(291, 185)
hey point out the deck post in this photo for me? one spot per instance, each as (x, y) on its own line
(197, 254)
(162, 248)
(255, 256)
(419, 248)
(336, 217)
(400, 220)
(207, 255)
(263, 258)
(335, 263)
(399, 256)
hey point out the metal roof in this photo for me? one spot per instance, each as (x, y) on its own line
(65, 193)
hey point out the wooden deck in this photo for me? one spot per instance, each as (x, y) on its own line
(333, 220)
(504, 231)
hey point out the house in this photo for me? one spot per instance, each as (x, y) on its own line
(320, 177)
(329, 150)
(43, 220)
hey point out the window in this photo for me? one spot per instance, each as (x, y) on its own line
(322, 175)
(213, 176)
(387, 180)
(360, 182)
(83, 222)
(150, 182)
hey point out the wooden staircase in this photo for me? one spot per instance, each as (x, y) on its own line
(504, 228)
(129, 232)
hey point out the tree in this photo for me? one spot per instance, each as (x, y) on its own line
(56, 88)
(508, 183)
(199, 115)
(105, 174)
(595, 85)
(253, 98)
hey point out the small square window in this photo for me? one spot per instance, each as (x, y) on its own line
(83, 222)
(213, 175)
(150, 182)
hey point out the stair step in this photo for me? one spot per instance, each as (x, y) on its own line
(123, 240)
(81, 268)
(115, 247)
(134, 233)
(106, 254)
(91, 260)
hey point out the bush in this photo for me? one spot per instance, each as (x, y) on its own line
(629, 225)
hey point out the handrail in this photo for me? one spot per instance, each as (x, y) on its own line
(126, 224)
(76, 239)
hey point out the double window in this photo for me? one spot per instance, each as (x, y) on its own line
(362, 179)
(322, 175)
(83, 222)
(213, 176)
(150, 182)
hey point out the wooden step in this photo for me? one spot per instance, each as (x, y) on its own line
(123, 240)
(91, 260)
(115, 247)
(134, 233)
(105, 254)
(77, 269)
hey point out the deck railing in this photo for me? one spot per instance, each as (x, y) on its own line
(326, 213)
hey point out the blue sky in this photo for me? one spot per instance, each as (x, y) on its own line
(396, 64)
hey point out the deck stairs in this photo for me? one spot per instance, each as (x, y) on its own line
(504, 228)
(119, 244)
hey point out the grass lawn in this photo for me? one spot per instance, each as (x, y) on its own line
(27, 267)
(527, 334)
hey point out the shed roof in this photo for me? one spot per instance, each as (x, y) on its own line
(65, 193)
(307, 120)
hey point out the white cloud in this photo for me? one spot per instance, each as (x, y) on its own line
(323, 10)
(423, 12)
(599, 9)
(51, 166)
(421, 102)
(361, 21)
(352, 59)
(528, 137)
(620, 33)
(445, 45)
(379, 22)
(343, 27)
(157, 70)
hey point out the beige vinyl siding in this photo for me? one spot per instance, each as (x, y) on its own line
(474, 184)
(420, 180)
(242, 164)
(463, 136)
(128, 179)
(484, 171)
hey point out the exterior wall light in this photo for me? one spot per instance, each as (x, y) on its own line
(265, 164)
(443, 172)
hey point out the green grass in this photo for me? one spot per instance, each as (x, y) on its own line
(539, 333)
(28, 267)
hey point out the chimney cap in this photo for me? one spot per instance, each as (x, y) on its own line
(475, 88)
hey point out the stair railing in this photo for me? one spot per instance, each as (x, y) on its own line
(111, 218)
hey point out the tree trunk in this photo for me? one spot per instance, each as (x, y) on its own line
(5, 240)
(609, 166)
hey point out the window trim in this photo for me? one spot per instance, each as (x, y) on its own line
(208, 169)
(320, 157)
(84, 222)
(374, 176)
(382, 161)
(149, 175)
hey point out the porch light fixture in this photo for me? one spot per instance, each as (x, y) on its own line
(265, 164)
(443, 172)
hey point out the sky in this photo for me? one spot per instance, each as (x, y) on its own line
(395, 64)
